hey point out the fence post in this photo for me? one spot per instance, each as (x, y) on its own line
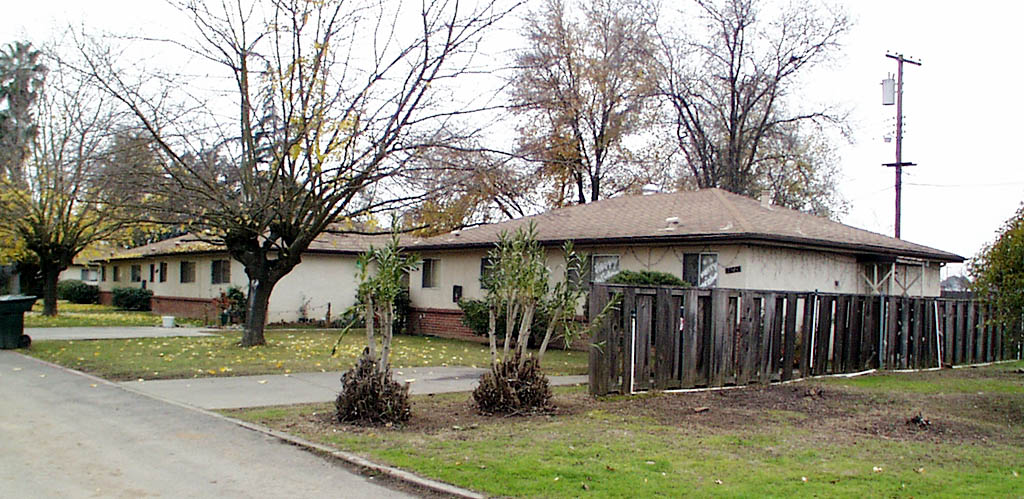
(789, 338)
(598, 368)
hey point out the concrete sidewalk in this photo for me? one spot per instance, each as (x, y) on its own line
(107, 333)
(301, 388)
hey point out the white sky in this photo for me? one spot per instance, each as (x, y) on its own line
(962, 107)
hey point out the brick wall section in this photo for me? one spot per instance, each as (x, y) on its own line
(443, 323)
(448, 324)
(197, 308)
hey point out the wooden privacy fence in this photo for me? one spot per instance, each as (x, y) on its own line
(669, 338)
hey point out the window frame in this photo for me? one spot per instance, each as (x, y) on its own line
(593, 266)
(221, 275)
(430, 279)
(163, 271)
(187, 271)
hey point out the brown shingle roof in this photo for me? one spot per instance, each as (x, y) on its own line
(704, 215)
(191, 244)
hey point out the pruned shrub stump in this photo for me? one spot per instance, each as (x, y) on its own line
(508, 389)
(371, 397)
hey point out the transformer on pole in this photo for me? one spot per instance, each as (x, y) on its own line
(887, 98)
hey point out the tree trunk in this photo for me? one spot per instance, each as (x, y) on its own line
(492, 318)
(510, 327)
(51, 273)
(259, 299)
(524, 333)
(371, 341)
(547, 336)
(385, 349)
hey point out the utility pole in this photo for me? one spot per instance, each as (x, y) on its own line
(899, 164)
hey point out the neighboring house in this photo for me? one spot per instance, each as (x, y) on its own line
(186, 274)
(81, 270)
(709, 238)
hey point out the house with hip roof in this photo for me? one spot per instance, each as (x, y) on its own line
(187, 273)
(709, 238)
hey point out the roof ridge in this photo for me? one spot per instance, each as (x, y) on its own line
(732, 209)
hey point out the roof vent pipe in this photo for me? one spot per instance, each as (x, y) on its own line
(649, 189)
(766, 199)
(672, 221)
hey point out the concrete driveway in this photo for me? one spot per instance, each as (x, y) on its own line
(67, 435)
(106, 333)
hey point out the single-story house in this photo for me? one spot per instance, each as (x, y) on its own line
(708, 237)
(187, 273)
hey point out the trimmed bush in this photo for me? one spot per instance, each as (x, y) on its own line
(646, 277)
(369, 397)
(474, 316)
(76, 291)
(132, 298)
(507, 389)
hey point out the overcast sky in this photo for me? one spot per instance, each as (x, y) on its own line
(962, 107)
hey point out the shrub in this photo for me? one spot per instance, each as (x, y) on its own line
(647, 277)
(76, 291)
(507, 389)
(474, 316)
(370, 397)
(132, 298)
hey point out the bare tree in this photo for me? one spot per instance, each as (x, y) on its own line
(334, 99)
(59, 206)
(582, 84)
(727, 87)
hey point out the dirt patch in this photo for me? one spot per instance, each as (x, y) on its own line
(832, 414)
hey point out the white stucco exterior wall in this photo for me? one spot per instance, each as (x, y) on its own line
(320, 279)
(760, 267)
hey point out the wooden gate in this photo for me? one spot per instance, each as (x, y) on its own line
(669, 338)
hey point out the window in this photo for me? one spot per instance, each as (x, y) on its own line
(430, 272)
(103, 273)
(136, 273)
(117, 273)
(188, 272)
(220, 272)
(152, 272)
(701, 269)
(604, 267)
(90, 274)
(163, 271)
(485, 268)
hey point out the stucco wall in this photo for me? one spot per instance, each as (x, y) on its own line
(317, 281)
(752, 267)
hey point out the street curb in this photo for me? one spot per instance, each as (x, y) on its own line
(349, 458)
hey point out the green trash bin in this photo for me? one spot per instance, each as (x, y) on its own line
(12, 321)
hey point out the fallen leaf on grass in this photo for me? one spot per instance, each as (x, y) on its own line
(699, 410)
(877, 469)
(719, 482)
(803, 479)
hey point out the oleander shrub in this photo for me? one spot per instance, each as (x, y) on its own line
(370, 397)
(76, 291)
(131, 298)
(474, 316)
(508, 389)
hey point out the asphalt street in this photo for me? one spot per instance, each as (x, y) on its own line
(67, 435)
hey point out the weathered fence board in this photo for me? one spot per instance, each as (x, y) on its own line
(665, 337)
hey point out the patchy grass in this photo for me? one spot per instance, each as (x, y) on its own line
(835, 438)
(285, 352)
(92, 315)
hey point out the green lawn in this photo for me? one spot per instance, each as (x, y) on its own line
(79, 315)
(285, 352)
(835, 438)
